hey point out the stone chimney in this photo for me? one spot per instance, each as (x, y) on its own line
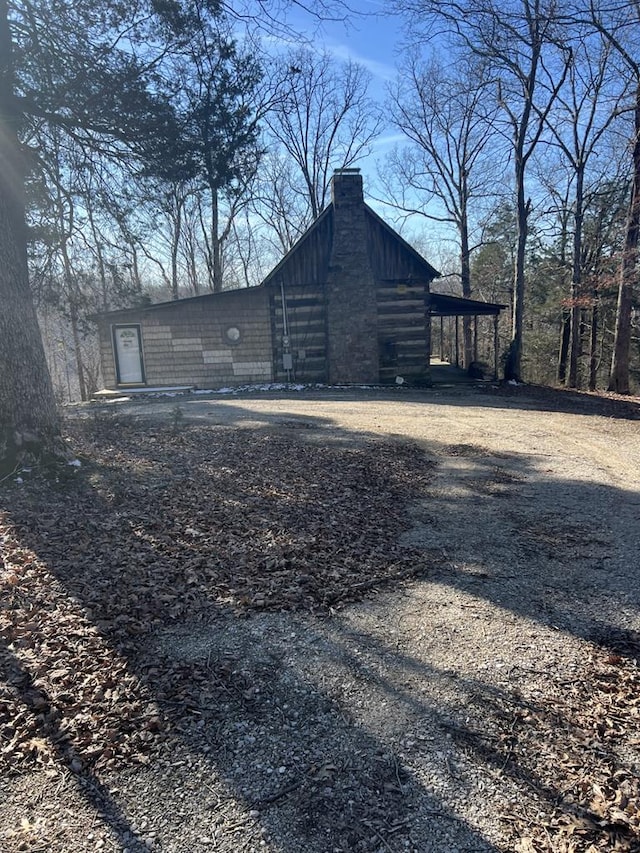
(346, 187)
(352, 317)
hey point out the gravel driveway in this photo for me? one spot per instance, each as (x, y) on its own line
(491, 704)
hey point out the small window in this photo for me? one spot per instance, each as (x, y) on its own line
(233, 334)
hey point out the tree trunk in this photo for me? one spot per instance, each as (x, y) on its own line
(28, 416)
(565, 322)
(513, 364)
(465, 276)
(73, 299)
(216, 249)
(619, 378)
(135, 271)
(175, 247)
(576, 281)
(193, 270)
(102, 273)
(565, 340)
(75, 331)
(593, 344)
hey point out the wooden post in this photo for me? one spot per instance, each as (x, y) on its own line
(441, 338)
(495, 346)
(475, 337)
(457, 341)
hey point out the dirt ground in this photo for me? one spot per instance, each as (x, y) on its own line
(447, 661)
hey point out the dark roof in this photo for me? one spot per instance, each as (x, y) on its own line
(443, 305)
(203, 297)
(431, 272)
(422, 268)
(271, 277)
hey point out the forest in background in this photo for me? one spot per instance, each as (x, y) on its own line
(179, 148)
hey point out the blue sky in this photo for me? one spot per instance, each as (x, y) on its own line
(371, 37)
(370, 40)
(374, 39)
(368, 35)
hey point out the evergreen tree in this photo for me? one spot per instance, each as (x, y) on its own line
(78, 66)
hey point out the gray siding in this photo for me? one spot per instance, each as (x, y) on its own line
(185, 343)
(307, 324)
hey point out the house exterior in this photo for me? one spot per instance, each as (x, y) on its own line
(350, 303)
(206, 341)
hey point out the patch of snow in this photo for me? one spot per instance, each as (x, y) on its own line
(249, 389)
(75, 463)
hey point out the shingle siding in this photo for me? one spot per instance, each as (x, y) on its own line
(184, 342)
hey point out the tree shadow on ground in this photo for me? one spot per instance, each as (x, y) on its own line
(503, 731)
(230, 408)
(552, 549)
(130, 593)
(546, 399)
(99, 567)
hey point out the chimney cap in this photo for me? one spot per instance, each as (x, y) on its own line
(346, 187)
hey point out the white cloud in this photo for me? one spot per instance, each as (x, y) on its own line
(389, 140)
(381, 70)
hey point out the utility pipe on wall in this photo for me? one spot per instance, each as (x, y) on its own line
(287, 360)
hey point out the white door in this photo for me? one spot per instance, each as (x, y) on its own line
(128, 355)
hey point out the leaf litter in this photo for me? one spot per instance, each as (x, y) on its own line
(157, 527)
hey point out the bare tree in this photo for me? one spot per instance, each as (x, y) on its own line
(280, 202)
(448, 117)
(603, 238)
(519, 41)
(582, 115)
(323, 121)
(63, 209)
(618, 23)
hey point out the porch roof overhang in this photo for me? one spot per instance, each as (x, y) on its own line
(455, 306)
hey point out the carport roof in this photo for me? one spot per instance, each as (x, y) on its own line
(455, 306)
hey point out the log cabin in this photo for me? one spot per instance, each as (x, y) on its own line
(350, 303)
